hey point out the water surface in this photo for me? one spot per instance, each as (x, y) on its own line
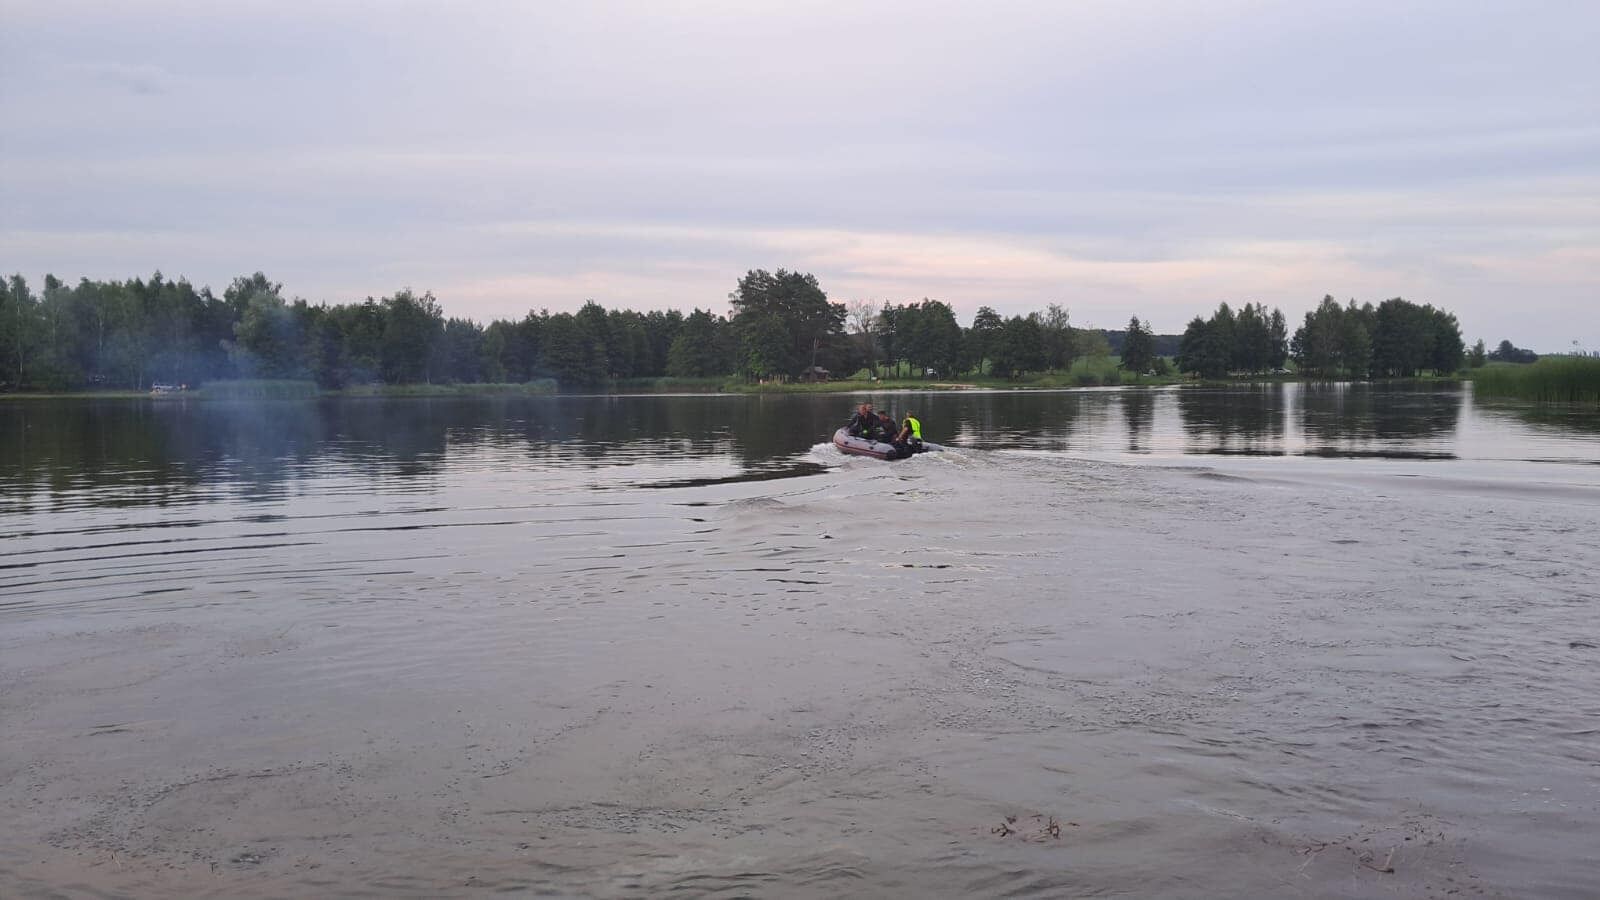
(1278, 641)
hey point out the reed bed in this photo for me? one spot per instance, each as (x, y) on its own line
(259, 389)
(670, 384)
(1553, 379)
(474, 389)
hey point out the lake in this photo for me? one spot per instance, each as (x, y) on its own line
(1263, 641)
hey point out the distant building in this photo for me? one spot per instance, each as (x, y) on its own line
(815, 373)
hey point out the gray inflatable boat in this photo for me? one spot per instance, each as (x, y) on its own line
(860, 446)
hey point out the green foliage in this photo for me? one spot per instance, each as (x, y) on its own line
(1204, 349)
(1278, 339)
(1395, 339)
(412, 329)
(17, 317)
(791, 304)
(511, 350)
(538, 386)
(268, 342)
(572, 352)
(987, 326)
(105, 335)
(765, 349)
(1138, 348)
(461, 352)
(1060, 338)
(1089, 343)
(1447, 352)
(1251, 341)
(130, 334)
(700, 348)
(1255, 343)
(361, 329)
(925, 334)
(1353, 347)
(671, 385)
(627, 346)
(1407, 339)
(1511, 353)
(1478, 357)
(1020, 348)
(259, 389)
(1553, 379)
(111, 334)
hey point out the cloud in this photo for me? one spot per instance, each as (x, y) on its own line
(134, 78)
(1148, 158)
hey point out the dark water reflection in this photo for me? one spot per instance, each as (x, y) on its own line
(110, 453)
(1354, 416)
(1245, 420)
(1139, 417)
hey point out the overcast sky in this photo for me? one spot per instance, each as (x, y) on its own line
(1120, 158)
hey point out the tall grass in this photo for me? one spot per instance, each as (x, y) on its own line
(259, 389)
(289, 389)
(1553, 379)
(471, 389)
(670, 384)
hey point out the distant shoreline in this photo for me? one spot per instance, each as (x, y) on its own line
(646, 387)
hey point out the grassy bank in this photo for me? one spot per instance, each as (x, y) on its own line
(266, 389)
(1099, 372)
(257, 389)
(1096, 372)
(538, 387)
(1553, 379)
(715, 384)
(79, 395)
(294, 389)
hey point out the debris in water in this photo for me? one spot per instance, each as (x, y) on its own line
(1050, 827)
(1388, 865)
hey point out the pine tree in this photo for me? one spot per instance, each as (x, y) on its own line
(1138, 349)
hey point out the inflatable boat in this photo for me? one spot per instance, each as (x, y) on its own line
(860, 446)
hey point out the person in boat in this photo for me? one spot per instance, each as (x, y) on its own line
(864, 424)
(910, 432)
(888, 428)
(889, 433)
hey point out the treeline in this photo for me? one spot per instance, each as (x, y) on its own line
(1395, 339)
(926, 338)
(1506, 352)
(130, 334)
(1251, 341)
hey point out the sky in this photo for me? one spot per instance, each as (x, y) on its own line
(1119, 158)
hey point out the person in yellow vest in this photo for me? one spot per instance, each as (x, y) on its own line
(910, 432)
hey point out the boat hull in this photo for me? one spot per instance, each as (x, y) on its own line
(857, 446)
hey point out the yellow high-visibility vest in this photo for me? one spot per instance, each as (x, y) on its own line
(916, 427)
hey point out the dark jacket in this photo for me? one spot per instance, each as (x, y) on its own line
(862, 426)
